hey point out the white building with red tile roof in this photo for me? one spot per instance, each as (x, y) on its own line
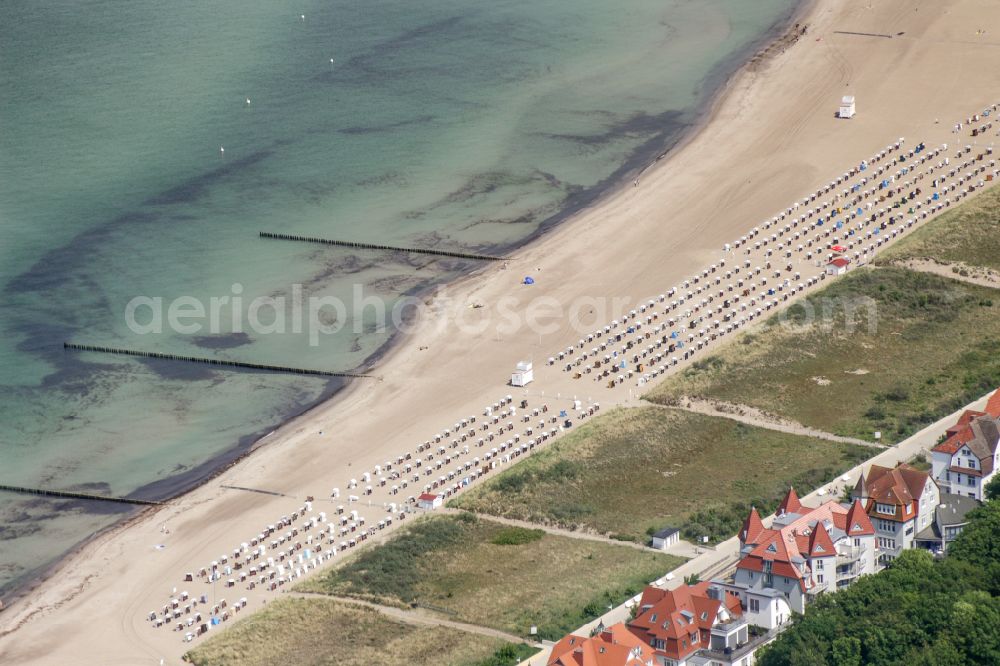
(970, 454)
(613, 646)
(430, 500)
(805, 552)
(900, 501)
(837, 266)
(694, 625)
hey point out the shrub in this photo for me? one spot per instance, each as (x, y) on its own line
(516, 536)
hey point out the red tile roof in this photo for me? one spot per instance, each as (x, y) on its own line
(786, 548)
(966, 470)
(962, 433)
(857, 522)
(752, 527)
(899, 487)
(820, 543)
(993, 405)
(672, 616)
(615, 646)
(790, 504)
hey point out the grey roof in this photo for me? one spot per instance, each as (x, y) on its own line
(952, 509)
(785, 519)
(984, 443)
(665, 532)
(949, 513)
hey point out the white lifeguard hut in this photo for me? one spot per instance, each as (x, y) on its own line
(523, 374)
(847, 107)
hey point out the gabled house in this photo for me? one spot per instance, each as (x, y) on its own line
(968, 457)
(611, 646)
(837, 266)
(693, 625)
(805, 552)
(900, 502)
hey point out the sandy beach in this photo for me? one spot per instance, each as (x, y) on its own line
(771, 138)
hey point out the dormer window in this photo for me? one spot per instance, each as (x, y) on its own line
(887, 509)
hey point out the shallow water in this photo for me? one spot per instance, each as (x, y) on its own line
(446, 123)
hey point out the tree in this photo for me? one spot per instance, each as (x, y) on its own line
(975, 622)
(979, 543)
(992, 489)
(847, 651)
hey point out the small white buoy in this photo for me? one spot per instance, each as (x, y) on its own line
(302, 16)
(221, 149)
(248, 101)
(331, 61)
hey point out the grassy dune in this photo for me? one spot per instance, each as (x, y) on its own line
(934, 347)
(479, 571)
(631, 471)
(316, 631)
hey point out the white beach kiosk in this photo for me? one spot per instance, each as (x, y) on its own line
(847, 108)
(523, 374)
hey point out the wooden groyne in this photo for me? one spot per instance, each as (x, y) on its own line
(863, 34)
(212, 361)
(372, 246)
(65, 494)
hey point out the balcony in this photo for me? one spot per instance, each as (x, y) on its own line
(848, 555)
(847, 572)
(734, 654)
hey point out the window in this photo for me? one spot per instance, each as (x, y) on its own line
(694, 638)
(819, 565)
(887, 509)
(971, 480)
(754, 605)
(820, 578)
(947, 475)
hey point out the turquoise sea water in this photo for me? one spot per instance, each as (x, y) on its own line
(460, 124)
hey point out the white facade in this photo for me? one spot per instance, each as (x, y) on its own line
(523, 374)
(834, 269)
(666, 538)
(430, 502)
(847, 107)
(763, 607)
(961, 483)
